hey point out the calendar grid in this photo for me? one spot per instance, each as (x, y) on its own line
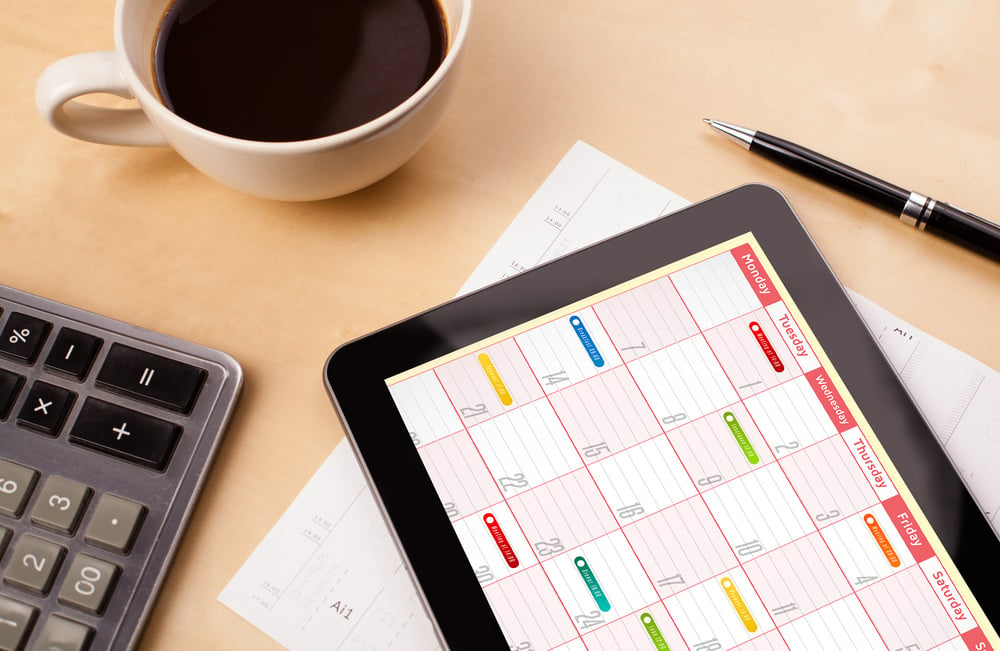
(778, 463)
(501, 494)
(652, 465)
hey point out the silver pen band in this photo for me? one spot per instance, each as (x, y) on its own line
(917, 209)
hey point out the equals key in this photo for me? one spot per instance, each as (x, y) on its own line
(151, 378)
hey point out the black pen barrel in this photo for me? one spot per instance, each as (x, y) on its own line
(965, 228)
(830, 172)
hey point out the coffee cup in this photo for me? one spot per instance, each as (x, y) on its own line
(298, 169)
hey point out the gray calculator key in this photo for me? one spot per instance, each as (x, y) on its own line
(60, 504)
(16, 483)
(88, 584)
(61, 634)
(115, 523)
(33, 564)
(5, 535)
(16, 620)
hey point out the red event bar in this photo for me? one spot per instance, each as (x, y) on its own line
(500, 538)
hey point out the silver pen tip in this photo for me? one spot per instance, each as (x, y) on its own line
(708, 120)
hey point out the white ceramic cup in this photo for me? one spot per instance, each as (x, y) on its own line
(295, 171)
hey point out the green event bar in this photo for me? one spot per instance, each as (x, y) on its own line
(741, 437)
(654, 632)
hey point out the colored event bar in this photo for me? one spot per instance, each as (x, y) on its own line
(494, 377)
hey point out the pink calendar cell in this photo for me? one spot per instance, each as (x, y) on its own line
(643, 479)
(758, 512)
(906, 612)
(425, 409)
(568, 350)
(715, 291)
(752, 352)
(563, 513)
(605, 414)
(680, 546)
(771, 641)
(721, 446)
(572, 645)
(646, 319)
(529, 611)
(829, 482)
(525, 447)
(797, 578)
(683, 382)
(841, 625)
(651, 628)
(494, 544)
(600, 582)
(723, 610)
(867, 546)
(459, 475)
(790, 417)
(488, 382)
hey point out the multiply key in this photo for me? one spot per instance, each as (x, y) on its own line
(151, 378)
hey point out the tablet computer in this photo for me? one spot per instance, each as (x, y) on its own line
(682, 437)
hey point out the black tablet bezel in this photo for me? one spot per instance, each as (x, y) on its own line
(356, 376)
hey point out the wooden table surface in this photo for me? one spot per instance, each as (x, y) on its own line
(905, 90)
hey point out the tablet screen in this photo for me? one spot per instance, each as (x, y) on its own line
(674, 463)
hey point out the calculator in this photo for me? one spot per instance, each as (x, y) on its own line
(107, 431)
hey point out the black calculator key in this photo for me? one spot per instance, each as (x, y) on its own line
(151, 378)
(126, 434)
(73, 353)
(10, 386)
(45, 408)
(23, 337)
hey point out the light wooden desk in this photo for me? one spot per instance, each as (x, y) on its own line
(907, 91)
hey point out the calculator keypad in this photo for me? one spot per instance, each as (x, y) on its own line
(107, 430)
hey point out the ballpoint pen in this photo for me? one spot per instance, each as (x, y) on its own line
(963, 227)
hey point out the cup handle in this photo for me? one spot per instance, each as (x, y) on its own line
(92, 72)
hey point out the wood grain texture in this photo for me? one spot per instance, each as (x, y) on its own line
(905, 90)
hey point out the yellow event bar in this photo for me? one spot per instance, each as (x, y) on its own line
(494, 377)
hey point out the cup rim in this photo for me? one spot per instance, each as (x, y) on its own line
(150, 102)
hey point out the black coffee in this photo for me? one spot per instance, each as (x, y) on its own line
(282, 70)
